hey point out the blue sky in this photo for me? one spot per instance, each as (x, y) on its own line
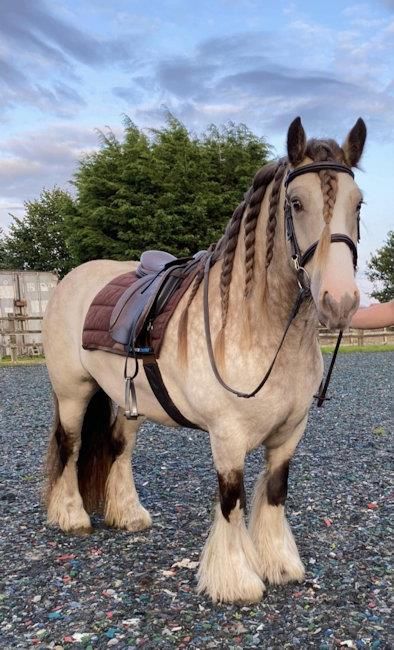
(70, 67)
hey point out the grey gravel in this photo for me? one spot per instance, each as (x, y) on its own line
(109, 590)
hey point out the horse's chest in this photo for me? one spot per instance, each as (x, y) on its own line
(284, 400)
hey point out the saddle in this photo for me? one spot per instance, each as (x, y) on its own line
(158, 276)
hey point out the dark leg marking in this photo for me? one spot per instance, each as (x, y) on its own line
(277, 485)
(65, 445)
(117, 444)
(231, 488)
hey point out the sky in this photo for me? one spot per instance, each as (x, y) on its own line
(70, 68)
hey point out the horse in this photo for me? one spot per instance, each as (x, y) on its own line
(295, 231)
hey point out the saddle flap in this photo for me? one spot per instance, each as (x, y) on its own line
(127, 310)
(133, 308)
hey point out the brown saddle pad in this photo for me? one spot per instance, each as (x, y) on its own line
(95, 335)
(123, 302)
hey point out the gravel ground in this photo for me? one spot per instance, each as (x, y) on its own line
(122, 589)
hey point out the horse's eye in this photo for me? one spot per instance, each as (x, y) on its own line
(296, 205)
(359, 206)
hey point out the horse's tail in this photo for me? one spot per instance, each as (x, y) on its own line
(96, 453)
(54, 462)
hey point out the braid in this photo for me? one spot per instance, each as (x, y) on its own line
(329, 185)
(230, 241)
(272, 212)
(226, 248)
(321, 151)
(183, 321)
(250, 224)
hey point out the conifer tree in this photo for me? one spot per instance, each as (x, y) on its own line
(37, 241)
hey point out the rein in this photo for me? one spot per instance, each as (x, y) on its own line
(299, 260)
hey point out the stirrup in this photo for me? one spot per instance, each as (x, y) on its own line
(130, 398)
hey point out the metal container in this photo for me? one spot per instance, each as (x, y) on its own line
(24, 296)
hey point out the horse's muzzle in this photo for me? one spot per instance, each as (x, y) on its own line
(337, 314)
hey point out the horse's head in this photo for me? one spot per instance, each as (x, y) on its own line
(321, 203)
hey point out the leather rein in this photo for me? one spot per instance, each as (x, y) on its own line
(299, 260)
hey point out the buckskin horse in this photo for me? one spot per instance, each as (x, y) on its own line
(245, 327)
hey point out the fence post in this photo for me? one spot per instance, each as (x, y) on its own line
(13, 345)
(360, 338)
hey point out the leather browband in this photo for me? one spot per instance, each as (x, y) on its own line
(318, 167)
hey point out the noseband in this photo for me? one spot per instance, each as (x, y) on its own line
(299, 260)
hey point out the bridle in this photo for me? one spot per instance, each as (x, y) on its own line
(299, 261)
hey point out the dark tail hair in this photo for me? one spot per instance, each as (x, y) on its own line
(96, 454)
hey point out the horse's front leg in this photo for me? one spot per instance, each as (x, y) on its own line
(279, 560)
(229, 568)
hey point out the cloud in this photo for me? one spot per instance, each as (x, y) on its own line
(32, 25)
(389, 4)
(185, 78)
(271, 77)
(40, 159)
(33, 38)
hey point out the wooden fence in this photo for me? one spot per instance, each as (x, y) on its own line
(18, 338)
(358, 337)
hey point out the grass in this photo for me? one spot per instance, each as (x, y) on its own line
(326, 349)
(22, 361)
(348, 349)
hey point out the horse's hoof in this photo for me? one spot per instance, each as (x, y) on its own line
(136, 520)
(81, 531)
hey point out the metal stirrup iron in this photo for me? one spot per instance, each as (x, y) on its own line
(130, 395)
(130, 398)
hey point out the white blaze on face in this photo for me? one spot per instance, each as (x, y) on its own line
(334, 289)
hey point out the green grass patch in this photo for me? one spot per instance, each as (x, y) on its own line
(379, 431)
(326, 349)
(348, 349)
(23, 361)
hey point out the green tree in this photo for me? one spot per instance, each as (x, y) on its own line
(233, 154)
(37, 240)
(171, 190)
(381, 267)
(181, 221)
(112, 208)
(2, 248)
(167, 189)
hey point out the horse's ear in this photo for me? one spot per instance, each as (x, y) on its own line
(354, 143)
(296, 142)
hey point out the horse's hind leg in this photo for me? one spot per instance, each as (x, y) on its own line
(278, 554)
(122, 506)
(64, 501)
(229, 567)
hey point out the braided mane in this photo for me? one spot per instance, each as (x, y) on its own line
(248, 212)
